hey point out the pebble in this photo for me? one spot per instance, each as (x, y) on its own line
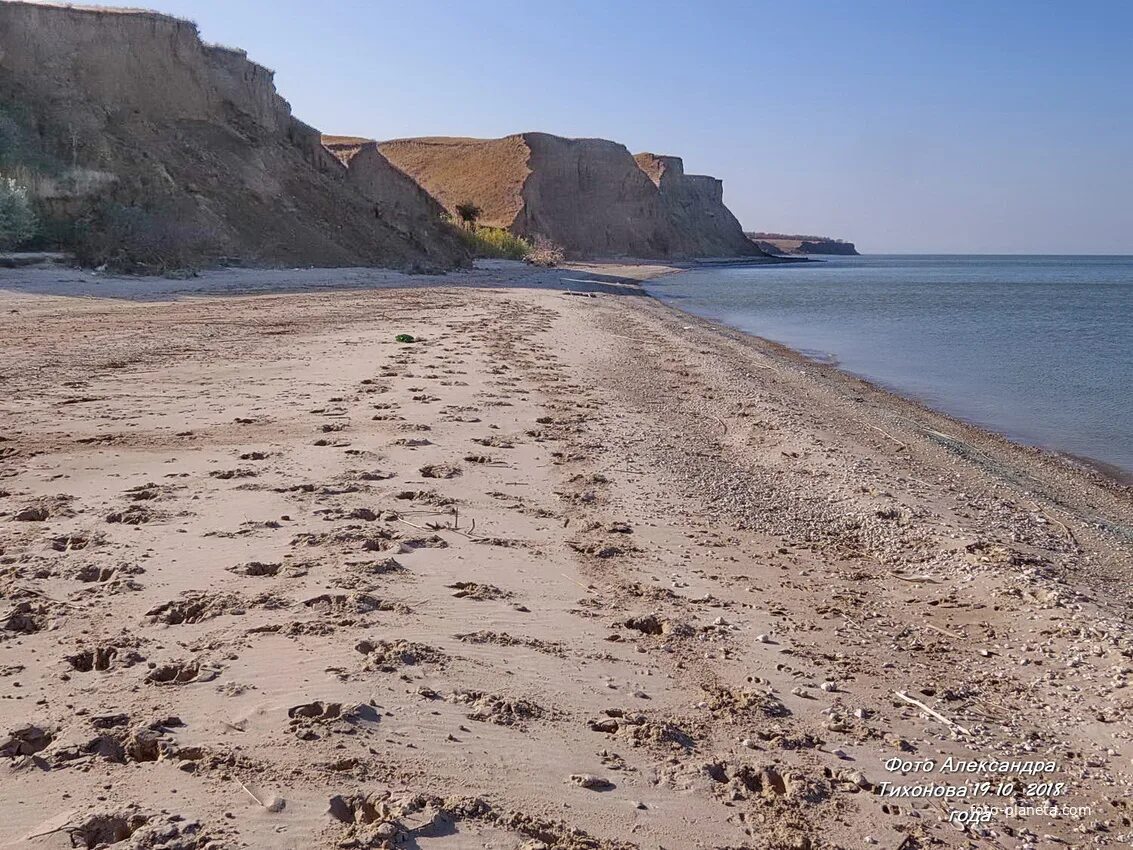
(589, 780)
(386, 830)
(858, 778)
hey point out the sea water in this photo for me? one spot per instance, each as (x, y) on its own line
(1038, 348)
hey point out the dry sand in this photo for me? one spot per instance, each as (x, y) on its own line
(567, 572)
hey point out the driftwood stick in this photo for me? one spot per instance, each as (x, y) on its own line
(886, 434)
(436, 526)
(1065, 528)
(59, 823)
(580, 584)
(936, 715)
(924, 579)
(944, 632)
(249, 793)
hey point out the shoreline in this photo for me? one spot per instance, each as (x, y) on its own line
(689, 568)
(911, 410)
(1108, 472)
(617, 272)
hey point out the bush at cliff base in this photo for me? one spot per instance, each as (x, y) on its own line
(494, 243)
(545, 253)
(18, 223)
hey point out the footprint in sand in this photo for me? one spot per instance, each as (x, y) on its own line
(104, 657)
(440, 470)
(195, 607)
(478, 592)
(181, 673)
(388, 656)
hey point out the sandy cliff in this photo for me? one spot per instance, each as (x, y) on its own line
(694, 206)
(128, 117)
(396, 197)
(591, 196)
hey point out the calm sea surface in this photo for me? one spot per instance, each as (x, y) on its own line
(1039, 348)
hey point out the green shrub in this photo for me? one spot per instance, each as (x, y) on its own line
(495, 243)
(18, 221)
(469, 214)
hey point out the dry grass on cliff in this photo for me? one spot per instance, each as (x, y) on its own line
(489, 172)
(495, 243)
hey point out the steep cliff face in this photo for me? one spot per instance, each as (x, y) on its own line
(797, 244)
(590, 196)
(396, 197)
(694, 205)
(185, 139)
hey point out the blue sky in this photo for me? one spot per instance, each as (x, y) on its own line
(903, 125)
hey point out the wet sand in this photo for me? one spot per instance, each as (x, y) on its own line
(571, 570)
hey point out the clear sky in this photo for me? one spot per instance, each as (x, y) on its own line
(904, 125)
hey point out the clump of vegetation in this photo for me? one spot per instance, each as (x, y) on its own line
(18, 222)
(404, 338)
(487, 243)
(495, 243)
(545, 253)
(469, 214)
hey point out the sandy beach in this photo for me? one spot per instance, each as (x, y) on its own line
(570, 570)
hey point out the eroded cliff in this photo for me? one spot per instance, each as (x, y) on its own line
(694, 204)
(140, 139)
(396, 197)
(590, 196)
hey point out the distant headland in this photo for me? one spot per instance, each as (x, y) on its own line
(785, 243)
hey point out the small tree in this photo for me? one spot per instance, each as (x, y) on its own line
(469, 213)
(18, 223)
